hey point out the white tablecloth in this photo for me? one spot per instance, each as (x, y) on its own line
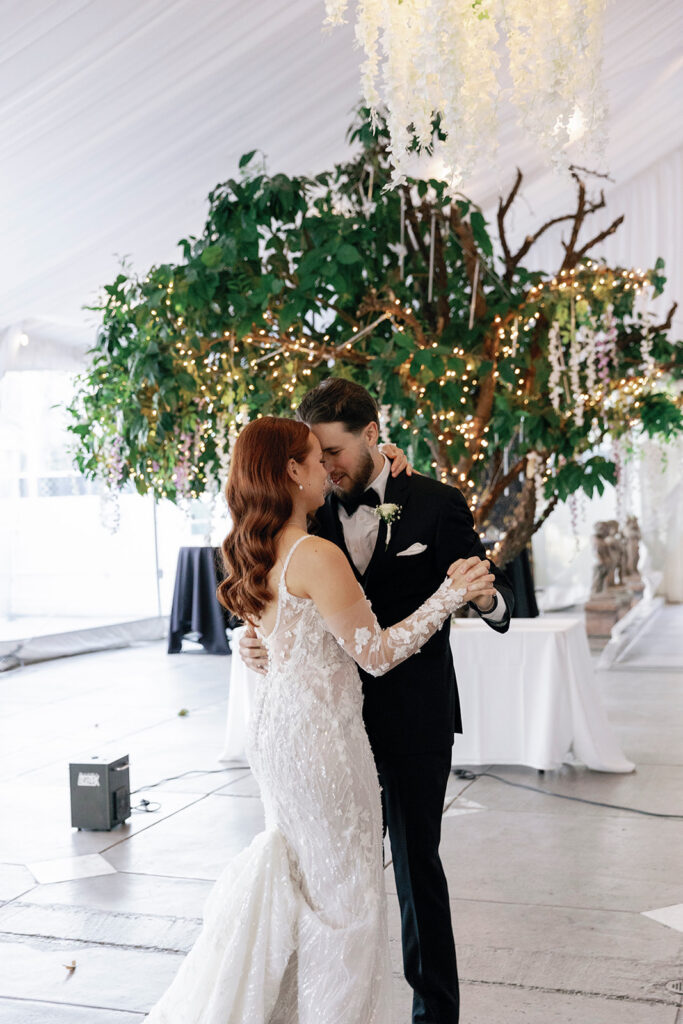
(242, 683)
(528, 697)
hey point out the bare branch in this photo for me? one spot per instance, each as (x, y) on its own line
(505, 204)
(463, 232)
(548, 509)
(668, 323)
(504, 482)
(587, 170)
(578, 218)
(441, 277)
(503, 207)
(521, 527)
(411, 217)
(568, 263)
(373, 303)
(532, 239)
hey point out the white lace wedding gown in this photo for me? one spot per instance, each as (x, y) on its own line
(295, 927)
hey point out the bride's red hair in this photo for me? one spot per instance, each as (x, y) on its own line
(260, 504)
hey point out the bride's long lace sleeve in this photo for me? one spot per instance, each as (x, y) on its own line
(378, 650)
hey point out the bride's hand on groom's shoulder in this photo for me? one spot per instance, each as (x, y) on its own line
(253, 652)
(398, 459)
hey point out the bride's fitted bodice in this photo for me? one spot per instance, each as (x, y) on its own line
(308, 670)
(309, 750)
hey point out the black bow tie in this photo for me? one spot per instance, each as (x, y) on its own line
(369, 497)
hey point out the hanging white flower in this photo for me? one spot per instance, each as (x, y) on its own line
(555, 63)
(556, 357)
(440, 57)
(590, 358)
(384, 422)
(574, 370)
(649, 365)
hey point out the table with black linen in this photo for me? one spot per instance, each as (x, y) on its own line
(196, 612)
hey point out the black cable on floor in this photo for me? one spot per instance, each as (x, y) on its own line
(146, 806)
(460, 773)
(463, 773)
(172, 778)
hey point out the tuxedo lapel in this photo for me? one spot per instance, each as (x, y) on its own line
(377, 554)
(397, 493)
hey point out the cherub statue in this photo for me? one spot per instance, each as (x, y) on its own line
(632, 537)
(617, 546)
(602, 570)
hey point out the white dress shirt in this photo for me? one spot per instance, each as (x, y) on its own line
(362, 526)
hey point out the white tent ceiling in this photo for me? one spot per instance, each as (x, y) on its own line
(118, 119)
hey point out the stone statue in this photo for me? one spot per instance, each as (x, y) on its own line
(617, 545)
(632, 537)
(615, 588)
(602, 570)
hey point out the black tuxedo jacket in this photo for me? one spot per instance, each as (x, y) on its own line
(414, 708)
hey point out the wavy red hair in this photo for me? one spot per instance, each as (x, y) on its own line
(260, 504)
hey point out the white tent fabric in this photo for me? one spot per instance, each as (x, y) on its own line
(119, 118)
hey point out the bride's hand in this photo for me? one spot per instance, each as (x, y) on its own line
(398, 459)
(473, 575)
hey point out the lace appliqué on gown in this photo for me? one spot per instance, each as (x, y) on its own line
(295, 928)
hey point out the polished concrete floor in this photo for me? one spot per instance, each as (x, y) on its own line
(550, 898)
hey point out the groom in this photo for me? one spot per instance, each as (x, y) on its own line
(412, 712)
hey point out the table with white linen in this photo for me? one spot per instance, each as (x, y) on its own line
(528, 697)
(240, 700)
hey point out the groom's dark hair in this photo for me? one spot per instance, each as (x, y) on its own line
(336, 400)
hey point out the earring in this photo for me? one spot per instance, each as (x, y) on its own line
(301, 487)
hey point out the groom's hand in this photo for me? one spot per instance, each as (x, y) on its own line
(480, 589)
(253, 652)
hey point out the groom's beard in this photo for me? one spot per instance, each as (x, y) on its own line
(356, 484)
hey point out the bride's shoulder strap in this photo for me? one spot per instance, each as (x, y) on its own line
(291, 551)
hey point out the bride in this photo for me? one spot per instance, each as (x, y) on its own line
(295, 928)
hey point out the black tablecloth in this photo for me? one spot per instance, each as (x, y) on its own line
(520, 575)
(195, 608)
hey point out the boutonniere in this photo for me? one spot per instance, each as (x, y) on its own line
(388, 513)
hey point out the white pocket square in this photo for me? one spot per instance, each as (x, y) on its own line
(414, 549)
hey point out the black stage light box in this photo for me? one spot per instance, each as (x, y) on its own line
(100, 794)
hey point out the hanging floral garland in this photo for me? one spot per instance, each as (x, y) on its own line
(440, 58)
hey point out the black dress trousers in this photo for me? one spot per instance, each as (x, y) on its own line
(413, 794)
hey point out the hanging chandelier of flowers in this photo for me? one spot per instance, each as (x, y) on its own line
(429, 60)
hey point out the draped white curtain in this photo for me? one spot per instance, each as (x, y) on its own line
(119, 118)
(661, 516)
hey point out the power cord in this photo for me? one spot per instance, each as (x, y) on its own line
(172, 778)
(149, 806)
(146, 806)
(463, 773)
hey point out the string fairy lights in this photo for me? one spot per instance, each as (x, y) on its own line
(482, 375)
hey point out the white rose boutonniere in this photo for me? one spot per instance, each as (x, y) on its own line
(388, 513)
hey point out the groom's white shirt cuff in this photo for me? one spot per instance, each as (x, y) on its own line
(497, 613)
